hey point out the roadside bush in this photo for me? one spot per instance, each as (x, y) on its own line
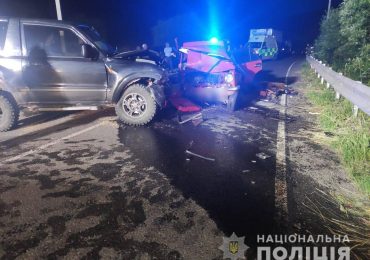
(359, 68)
(344, 40)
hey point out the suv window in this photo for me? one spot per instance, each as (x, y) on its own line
(3, 28)
(55, 41)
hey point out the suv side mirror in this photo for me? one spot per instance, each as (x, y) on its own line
(89, 52)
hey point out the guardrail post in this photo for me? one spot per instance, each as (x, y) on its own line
(322, 80)
(355, 110)
(327, 85)
(337, 95)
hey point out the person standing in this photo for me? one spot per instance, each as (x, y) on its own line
(168, 55)
(144, 47)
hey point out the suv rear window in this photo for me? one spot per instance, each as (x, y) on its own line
(3, 29)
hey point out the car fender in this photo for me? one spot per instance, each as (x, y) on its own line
(155, 89)
(7, 91)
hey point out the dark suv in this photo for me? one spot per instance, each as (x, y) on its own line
(56, 66)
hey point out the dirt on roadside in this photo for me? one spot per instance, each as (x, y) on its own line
(324, 198)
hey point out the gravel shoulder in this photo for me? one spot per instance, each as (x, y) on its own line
(324, 200)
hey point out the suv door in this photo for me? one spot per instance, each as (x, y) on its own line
(54, 70)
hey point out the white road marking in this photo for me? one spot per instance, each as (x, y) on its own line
(43, 147)
(281, 189)
(287, 74)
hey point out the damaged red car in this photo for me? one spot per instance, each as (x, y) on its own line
(212, 73)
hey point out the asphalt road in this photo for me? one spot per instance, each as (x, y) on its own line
(81, 185)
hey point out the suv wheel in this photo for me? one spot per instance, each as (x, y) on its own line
(8, 113)
(136, 106)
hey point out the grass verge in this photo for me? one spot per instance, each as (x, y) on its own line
(351, 134)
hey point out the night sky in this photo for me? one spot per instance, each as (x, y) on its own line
(130, 23)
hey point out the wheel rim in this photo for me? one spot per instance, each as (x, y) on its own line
(134, 105)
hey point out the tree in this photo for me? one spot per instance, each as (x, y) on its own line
(355, 28)
(344, 40)
(329, 39)
(355, 24)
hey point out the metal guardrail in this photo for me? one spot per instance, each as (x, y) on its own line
(354, 91)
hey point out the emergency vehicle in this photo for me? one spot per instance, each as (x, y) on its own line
(265, 43)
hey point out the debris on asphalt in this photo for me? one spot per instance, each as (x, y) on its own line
(253, 108)
(199, 156)
(263, 156)
(271, 90)
(314, 113)
(193, 118)
(253, 161)
(245, 171)
(253, 182)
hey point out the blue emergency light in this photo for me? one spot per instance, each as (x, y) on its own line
(214, 40)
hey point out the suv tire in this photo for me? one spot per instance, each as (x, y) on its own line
(136, 106)
(9, 113)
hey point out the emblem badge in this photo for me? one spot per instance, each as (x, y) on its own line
(233, 247)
